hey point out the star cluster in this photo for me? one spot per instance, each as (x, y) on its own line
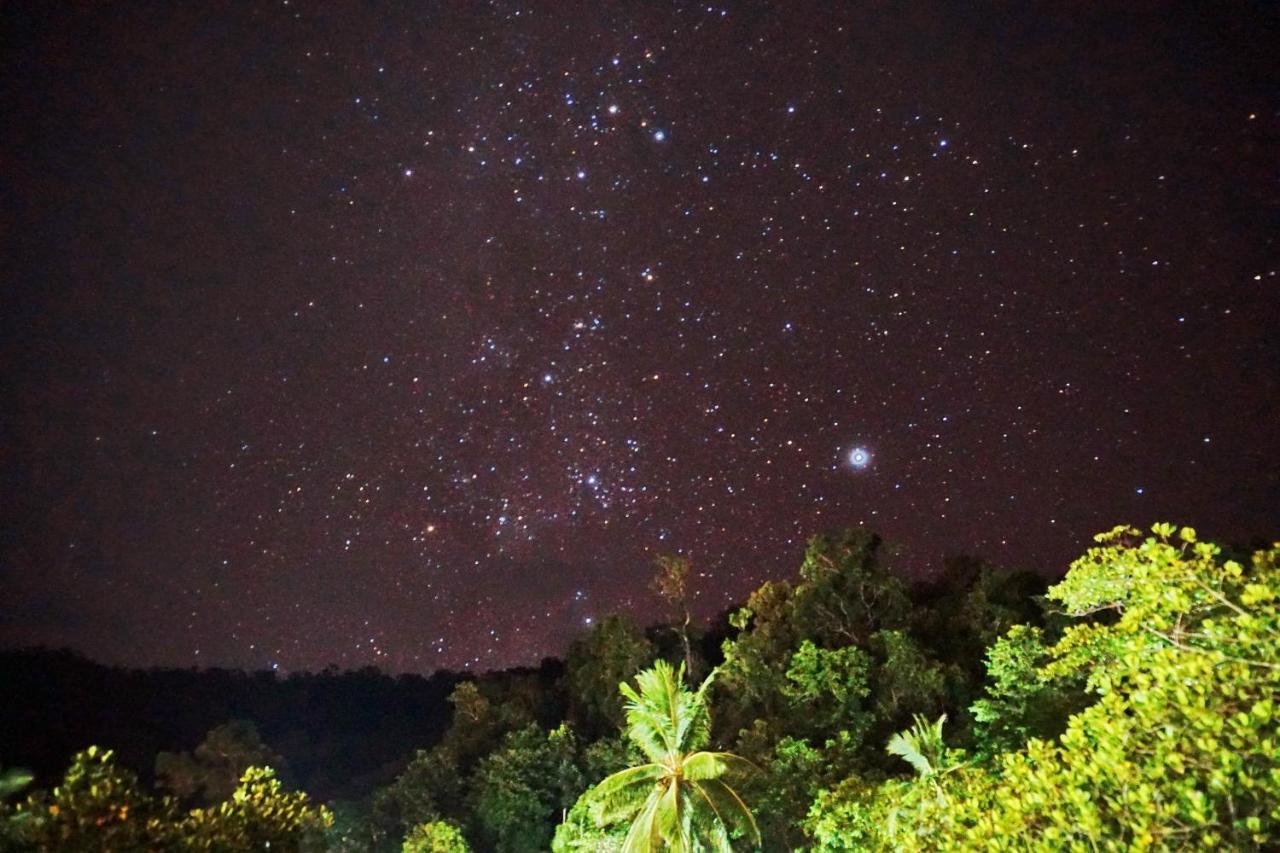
(410, 337)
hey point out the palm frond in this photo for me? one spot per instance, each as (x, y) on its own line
(688, 806)
(13, 780)
(668, 820)
(710, 831)
(698, 733)
(653, 711)
(921, 746)
(622, 794)
(640, 837)
(713, 765)
(728, 806)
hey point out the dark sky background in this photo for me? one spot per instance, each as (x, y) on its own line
(409, 334)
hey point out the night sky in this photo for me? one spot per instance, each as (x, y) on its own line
(408, 335)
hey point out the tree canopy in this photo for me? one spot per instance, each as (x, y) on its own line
(1131, 705)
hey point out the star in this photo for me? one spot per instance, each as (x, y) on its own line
(859, 458)
(461, 331)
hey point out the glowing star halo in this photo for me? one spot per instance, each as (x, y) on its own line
(859, 457)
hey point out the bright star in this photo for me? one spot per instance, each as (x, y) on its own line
(859, 457)
(659, 135)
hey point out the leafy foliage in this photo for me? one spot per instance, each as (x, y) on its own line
(825, 668)
(259, 815)
(427, 789)
(579, 832)
(519, 790)
(98, 806)
(1019, 703)
(680, 799)
(908, 677)
(212, 772)
(1138, 713)
(831, 683)
(844, 596)
(921, 746)
(612, 651)
(437, 836)
(1180, 648)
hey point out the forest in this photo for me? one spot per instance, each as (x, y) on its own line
(1131, 704)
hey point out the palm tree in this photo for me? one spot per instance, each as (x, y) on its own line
(921, 746)
(12, 781)
(679, 799)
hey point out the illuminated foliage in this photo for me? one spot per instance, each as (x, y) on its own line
(578, 833)
(821, 671)
(259, 815)
(679, 799)
(435, 837)
(1141, 714)
(844, 596)
(520, 790)
(1180, 749)
(98, 806)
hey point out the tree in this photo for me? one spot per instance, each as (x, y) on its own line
(845, 595)
(438, 783)
(796, 770)
(519, 790)
(612, 651)
(921, 746)
(1182, 747)
(213, 771)
(908, 679)
(830, 683)
(1018, 703)
(98, 806)
(1179, 647)
(429, 788)
(436, 836)
(671, 582)
(823, 670)
(259, 815)
(12, 781)
(479, 722)
(578, 832)
(680, 797)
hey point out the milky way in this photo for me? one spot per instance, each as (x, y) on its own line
(410, 335)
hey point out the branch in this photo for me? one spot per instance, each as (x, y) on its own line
(1220, 655)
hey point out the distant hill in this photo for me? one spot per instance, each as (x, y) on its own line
(342, 733)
